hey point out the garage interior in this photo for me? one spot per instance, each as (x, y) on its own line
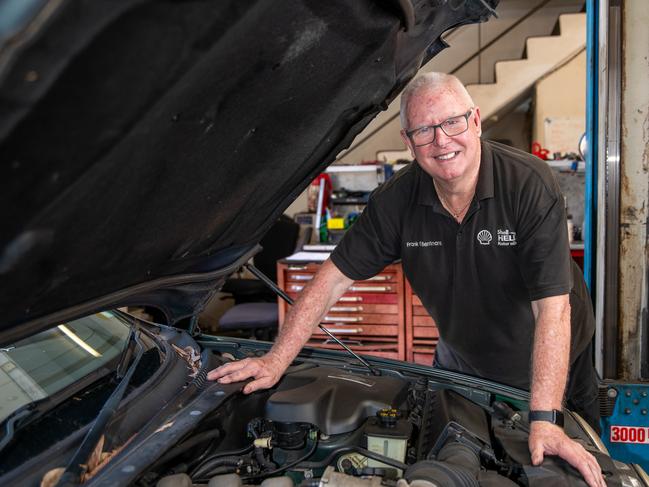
(176, 173)
(562, 79)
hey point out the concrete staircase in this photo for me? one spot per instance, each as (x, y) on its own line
(543, 56)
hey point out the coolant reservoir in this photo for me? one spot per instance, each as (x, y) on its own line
(387, 435)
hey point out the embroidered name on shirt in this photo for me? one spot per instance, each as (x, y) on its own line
(506, 238)
(421, 243)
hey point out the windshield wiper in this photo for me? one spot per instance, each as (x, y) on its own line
(77, 465)
(11, 422)
(275, 288)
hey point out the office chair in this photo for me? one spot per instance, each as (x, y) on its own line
(255, 314)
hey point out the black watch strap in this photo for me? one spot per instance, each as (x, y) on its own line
(554, 417)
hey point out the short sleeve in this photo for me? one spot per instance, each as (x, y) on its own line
(543, 251)
(371, 243)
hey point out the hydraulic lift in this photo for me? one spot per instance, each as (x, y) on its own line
(617, 205)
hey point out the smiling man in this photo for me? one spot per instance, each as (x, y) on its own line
(481, 232)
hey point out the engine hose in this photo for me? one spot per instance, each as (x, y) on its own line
(456, 466)
(263, 461)
(195, 461)
(215, 463)
(461, 455)
(310, 483)
(231, 453)
(190, 443)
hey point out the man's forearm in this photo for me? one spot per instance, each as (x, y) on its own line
(328, 285)
(551, 355)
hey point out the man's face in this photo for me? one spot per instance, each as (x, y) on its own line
(446, 158)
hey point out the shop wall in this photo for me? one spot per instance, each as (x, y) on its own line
(560, 107)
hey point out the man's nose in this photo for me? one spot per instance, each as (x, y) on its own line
(441, 139)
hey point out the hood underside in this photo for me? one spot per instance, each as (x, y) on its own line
(146, 139)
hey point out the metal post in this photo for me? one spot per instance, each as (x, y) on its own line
(608, 184)
(633, 193)
(590, 154)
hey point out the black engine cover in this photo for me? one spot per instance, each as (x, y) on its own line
(335, 401)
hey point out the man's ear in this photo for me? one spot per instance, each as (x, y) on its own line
(406, 140)
(477, 119)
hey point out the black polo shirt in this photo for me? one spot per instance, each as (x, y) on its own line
(477, 278)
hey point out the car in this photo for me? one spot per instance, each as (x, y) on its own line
(146, 148)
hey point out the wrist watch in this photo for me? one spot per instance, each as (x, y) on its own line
(554, 417)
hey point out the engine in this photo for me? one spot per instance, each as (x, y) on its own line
(323, 426)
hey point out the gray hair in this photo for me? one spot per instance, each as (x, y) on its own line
(431, 81)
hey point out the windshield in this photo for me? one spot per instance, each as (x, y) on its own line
(43, 364)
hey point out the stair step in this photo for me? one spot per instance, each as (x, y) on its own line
(521, 72)
(554, 49)
(570, 22)
(544, 54)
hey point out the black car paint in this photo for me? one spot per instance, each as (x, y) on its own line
(145, 139)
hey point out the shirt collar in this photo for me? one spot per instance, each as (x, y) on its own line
(426, 194)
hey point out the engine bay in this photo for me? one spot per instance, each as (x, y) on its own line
(329, 426)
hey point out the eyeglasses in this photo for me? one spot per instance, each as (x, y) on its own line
(451, 127)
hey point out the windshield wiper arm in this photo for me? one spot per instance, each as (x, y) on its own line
(276, 289)
(10, 423)
(78, 463)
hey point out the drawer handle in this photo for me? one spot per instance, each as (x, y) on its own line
(370, 288)
(356, 343)
(351, 299)
(345, 309)
(301, 277)
(343, 319)
(296, 287)
(379, 278)
(349, 331)
(297, 268)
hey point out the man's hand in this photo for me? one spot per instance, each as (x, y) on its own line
(549, 439)
(266, 371)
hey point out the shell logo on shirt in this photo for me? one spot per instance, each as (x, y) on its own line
(484, 237)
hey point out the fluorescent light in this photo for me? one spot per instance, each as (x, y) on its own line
(75, 338)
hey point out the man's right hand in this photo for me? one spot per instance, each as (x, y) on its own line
(266, 371)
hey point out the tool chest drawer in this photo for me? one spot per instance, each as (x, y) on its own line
(421, 332)
(369, 317)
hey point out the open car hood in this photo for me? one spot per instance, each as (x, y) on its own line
(142, 141)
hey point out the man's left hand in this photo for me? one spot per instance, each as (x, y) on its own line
(549, 439)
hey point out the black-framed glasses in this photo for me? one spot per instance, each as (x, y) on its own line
(451, 127)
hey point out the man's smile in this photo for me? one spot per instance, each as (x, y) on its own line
(447, 156)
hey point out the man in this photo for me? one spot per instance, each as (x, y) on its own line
(481, 231)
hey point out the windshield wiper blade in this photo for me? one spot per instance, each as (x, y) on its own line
(11, 423)
(20, 416)
(77, 465)
(276, 289)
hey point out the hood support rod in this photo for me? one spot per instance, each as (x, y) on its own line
(262, 277)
